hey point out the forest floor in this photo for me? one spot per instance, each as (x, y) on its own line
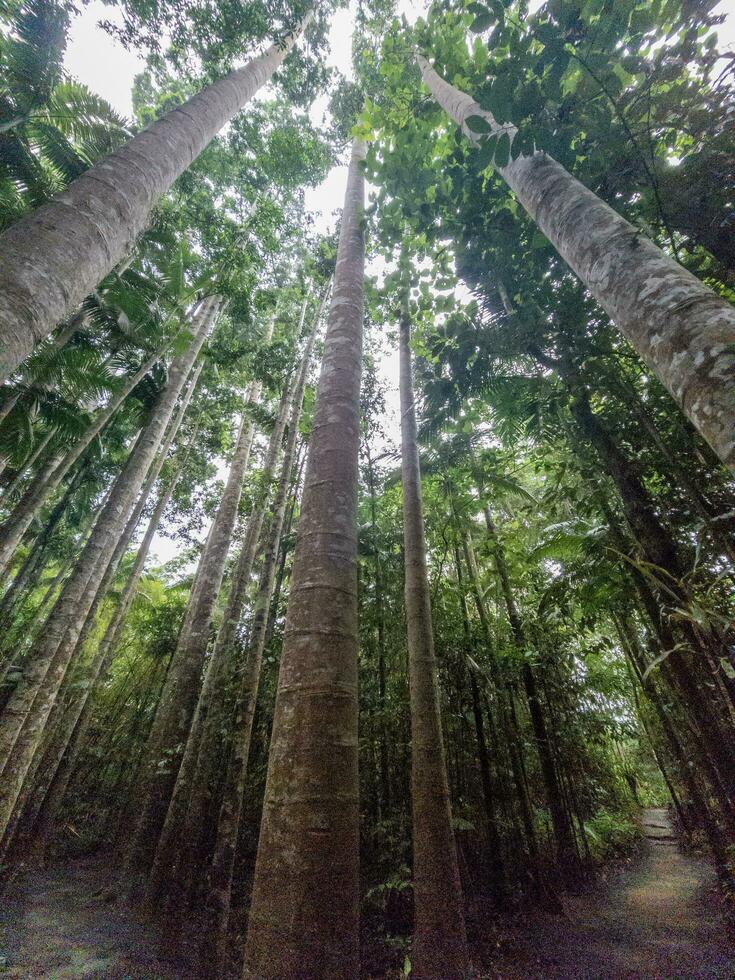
(66, 921)
(659, 918)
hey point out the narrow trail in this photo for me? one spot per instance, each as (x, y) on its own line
(658, 919)
(64, 922)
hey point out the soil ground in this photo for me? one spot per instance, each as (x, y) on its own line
(657, 919)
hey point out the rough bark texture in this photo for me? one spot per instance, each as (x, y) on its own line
(180, 694)
(304, 915)
(50, 260)
(219, 877)
(680, 327)
(440, 940)
(24, 717)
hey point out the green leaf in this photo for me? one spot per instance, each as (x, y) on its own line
(547, 34)
(502, 153)
(481, 23)
(478, 124)
(486, 152)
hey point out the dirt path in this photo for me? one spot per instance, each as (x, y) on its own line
(657, 920)
(660, 919)
(61, 923)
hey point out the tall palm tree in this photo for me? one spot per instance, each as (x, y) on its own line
(24, 717)
(51, 259)
(440, 940)
(309, 842)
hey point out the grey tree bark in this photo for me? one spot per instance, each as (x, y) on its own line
(60, 758)
(180, 695)
(440, 950)
(219, 875)
(24, 717)
(309, 836)
(680, 327)
(51, 259)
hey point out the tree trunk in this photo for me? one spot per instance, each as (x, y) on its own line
(63, 720)
(562, 830)
(60, 759)
(712, 736)
(181, 691)
(51, 259)
(33, 564)
(219, 877)
(498, 886)
(440, 941)
(285, 549)
(656, 542)
(542, 887)
(24, 717)
(309, 836)
(13, 529)
(174, 863)
(679, 326)
(688, 774)
(380, 617)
